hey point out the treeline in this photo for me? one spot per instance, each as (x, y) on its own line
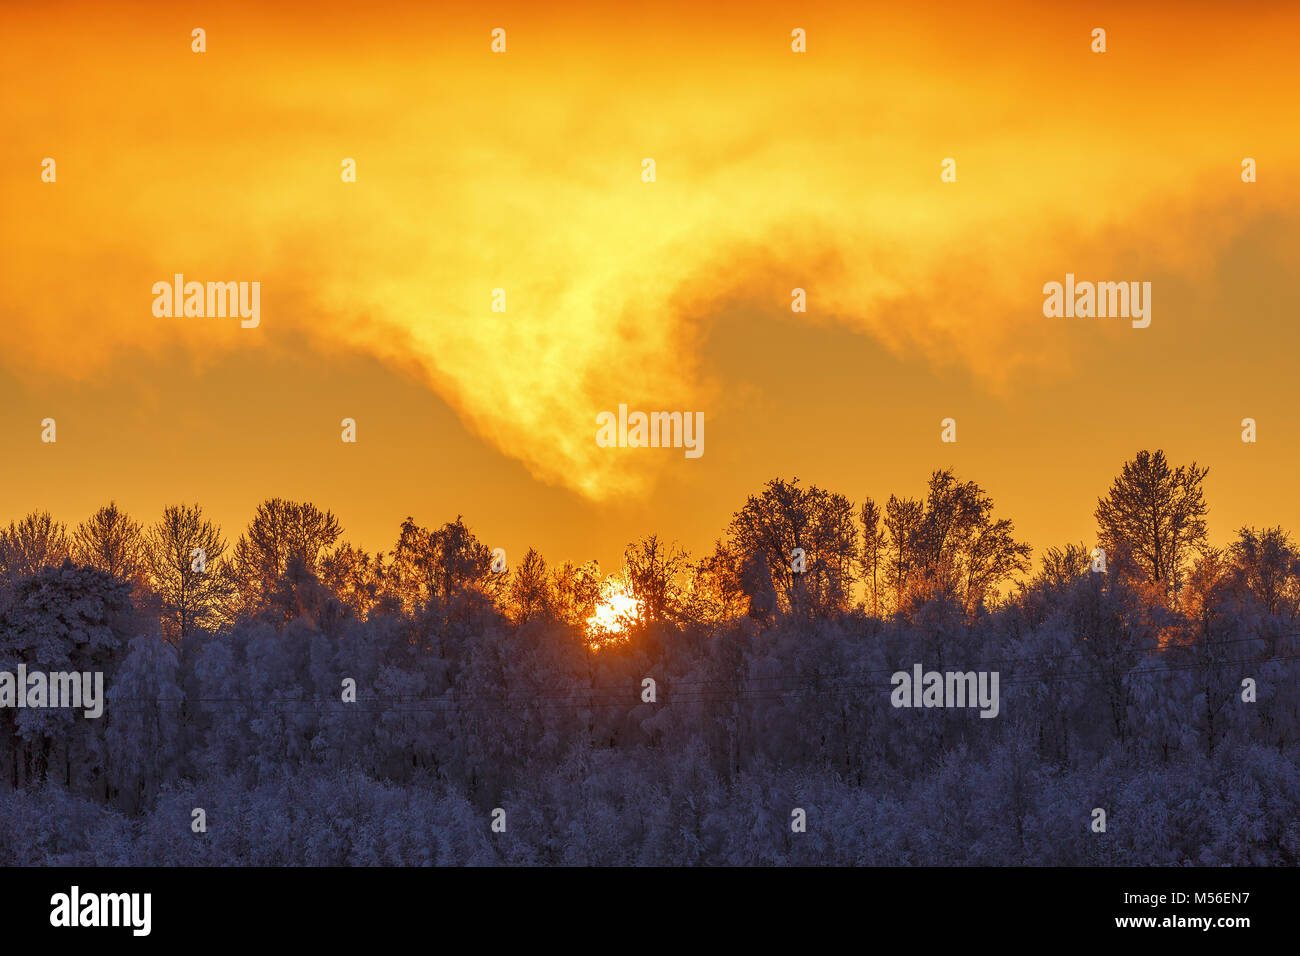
(789, 550)
(1147, 674)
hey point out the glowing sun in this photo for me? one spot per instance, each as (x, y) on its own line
(616, 611)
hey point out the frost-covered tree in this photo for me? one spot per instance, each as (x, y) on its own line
(362, 717)
(144, 722)
(61, 620)
(26, 546)
(784, 519)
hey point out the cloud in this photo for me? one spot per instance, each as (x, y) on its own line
(524, 175)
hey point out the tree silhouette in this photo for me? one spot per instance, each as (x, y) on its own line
(961, 549)
(873, 549)
(110, 541)
(1269, 565)
(186, 553)
(902, 531)
(653, 570)
(785, 518)
(35, 542)
(530, 589)
(1155, 515)
(281, 531)
(473, 694)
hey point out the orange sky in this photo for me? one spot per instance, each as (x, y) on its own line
(522, 171)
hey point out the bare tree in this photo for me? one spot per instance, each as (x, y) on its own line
(1064, 566)
(281, 531)
(1267, 563)
(530, 590)
(577, 589)
(784, 520)
(1156, 515)
(653, 569)
(110, 541)
(950, 545)
(901, 532)
(38, 541)
(443, 564)
(873, 547)
(185, 554)
(355, 576)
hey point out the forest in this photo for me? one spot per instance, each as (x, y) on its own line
(433, 705)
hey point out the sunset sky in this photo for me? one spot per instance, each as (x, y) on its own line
(522, 171)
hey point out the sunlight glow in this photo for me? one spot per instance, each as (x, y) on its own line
(616, 611)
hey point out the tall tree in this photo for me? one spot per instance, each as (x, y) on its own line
(38, 541)
(653, 569)
(110, 541)
(442, 565)
(1268, 564)
(281, 531)
(185, 552)
(756, 583)
(355, 576)
(64, 619)
(530, 590)
(1155, 515)
(873, 547)
(1063, 566)
(784, 520)
(963, 546)
(720, 587)
(577, 588)
(948, 545)
(901, 531)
